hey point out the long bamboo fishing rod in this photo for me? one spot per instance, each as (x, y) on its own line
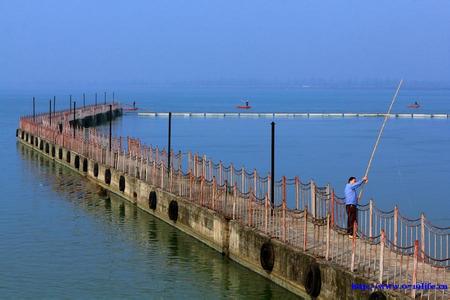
(380, 133)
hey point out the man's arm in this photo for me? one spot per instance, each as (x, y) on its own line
(357, 184)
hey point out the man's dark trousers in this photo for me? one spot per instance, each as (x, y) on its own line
(352, 213)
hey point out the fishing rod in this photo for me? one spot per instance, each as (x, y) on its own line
(380, 133)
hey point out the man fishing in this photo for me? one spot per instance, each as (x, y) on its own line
(351, 200)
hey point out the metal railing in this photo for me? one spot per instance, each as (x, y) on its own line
(390, 247)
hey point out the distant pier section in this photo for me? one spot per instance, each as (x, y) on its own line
(293, 115)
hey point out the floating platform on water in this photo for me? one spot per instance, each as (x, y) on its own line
(290, 115)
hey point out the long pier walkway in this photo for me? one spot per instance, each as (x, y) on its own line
(387, 247)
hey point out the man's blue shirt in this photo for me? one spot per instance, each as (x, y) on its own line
(350, 192)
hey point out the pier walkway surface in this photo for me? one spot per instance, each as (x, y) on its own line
(388, 247)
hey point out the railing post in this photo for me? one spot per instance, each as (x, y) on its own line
(370, 218)
(202, 185)
(214, 192)
(269, 192)
(243, 180)
(327, 252)
(220, 173)
(283, 236)
(395, 225)
(204, 166)
(191, 178)
(110, 126)
(210, 169)
(422, 234)
(255, 178)
(162, 174)
(332, 207)
(154, 170)
(297, 181)
(171, 179)
(355, 229)
(234, 200)
(382, 243)
(249, 217)
(305, 227)
(195, 164)
(189, 162)
(313, 199)
(326, 206)
(266, 212)
(225, 203)
(415, 265)
(232, 174)
(74, 116)
(180, 179)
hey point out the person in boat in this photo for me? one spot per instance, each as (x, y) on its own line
(351, 201)
(246, 103)
(416, 104)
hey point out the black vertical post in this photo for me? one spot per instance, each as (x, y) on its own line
(84, 100)
(105, 97)
(169, 146)
(74, 109)
(34, 109)
(70, 106)
(110, 126)
(54, 105)
(272, 167)
(95, 98)
(50, 111)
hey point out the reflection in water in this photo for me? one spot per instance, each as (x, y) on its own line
(130, 253)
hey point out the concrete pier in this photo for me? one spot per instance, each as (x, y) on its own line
(303, 249)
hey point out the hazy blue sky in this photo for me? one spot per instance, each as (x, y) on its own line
(98, 42)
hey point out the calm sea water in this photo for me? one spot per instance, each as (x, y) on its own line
(58, 239)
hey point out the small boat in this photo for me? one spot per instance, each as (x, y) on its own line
(246, 106)
(130, 108)
(414, 105)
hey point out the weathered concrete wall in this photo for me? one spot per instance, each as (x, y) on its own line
(241, 243)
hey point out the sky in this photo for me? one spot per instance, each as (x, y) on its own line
(60, 43)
